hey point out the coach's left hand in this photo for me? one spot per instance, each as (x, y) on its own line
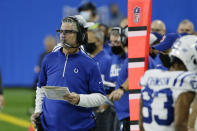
(72, 98)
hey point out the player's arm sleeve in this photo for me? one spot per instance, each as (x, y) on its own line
(96, 96)
(39, 91)
(181, 112)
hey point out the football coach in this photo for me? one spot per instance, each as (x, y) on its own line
(72, 68)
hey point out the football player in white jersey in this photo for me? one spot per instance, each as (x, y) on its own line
(166, 96)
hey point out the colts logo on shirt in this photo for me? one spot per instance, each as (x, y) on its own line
(76, 70)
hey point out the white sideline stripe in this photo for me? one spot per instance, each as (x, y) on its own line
(136, 64)
(134, 96)
(134, 127)
(137, 33)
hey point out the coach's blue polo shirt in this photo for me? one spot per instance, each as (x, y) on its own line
(104, 61)
(122, 106)
(82, 76)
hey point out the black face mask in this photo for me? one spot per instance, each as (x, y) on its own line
(117, 50)
(90, 47)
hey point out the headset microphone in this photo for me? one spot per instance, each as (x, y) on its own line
(68, 45)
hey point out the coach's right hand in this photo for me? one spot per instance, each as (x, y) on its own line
(73, 98)
(34, 116)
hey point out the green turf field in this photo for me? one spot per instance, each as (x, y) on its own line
(18, 101)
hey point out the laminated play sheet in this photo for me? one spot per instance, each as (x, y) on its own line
(55, 92)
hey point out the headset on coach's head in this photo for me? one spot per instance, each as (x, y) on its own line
(82, 37)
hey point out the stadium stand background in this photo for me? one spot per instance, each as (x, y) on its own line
(25, 23)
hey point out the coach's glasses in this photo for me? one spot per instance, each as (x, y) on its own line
(66, 31)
